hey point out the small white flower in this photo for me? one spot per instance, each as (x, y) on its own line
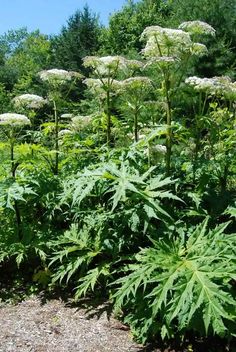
(14, 120)
(30, 101)
(197, 27)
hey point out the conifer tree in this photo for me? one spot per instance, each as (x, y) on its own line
(77, 39)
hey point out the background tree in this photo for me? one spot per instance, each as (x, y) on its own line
(77, 39)
(22, 55)
(126, 25)
(9, 42)
(220, 14)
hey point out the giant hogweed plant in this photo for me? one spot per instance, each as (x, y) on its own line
(12, 124)
(170, 51)
(134, 92)
(215, 114)
(105, 84)
(114, 207)
(56, 80)
(181, 284)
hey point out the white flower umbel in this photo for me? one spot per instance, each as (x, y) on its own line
(108, 66)
(64, 132)
(134, 64)
(199, 49)
(158, 148)
(165, 41)
(30, 101)
(105, 66)
(197, 27)
(136, 82)
(214, 85)
(67, 116)
(97, 84)
(81, 121)
(58, 77)
(14, 120)
(161, 61)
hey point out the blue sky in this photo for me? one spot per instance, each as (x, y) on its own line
(49, 15)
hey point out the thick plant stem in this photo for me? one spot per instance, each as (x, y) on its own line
(18, 222)
(16, 207)
(108, 108)
(196, 151)
(223, 179)
(12, 158)
(136, 125)
(56, 138)
(201, 107)
(169, 130)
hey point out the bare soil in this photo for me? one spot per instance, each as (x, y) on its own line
(31, 326)
(39, 325)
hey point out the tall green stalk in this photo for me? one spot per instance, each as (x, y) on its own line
(56, 168)
(18, 220)
(136, 124)
(168, 122)
(108, 111)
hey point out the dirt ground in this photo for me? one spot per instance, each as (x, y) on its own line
(31, 326)
(39, 325)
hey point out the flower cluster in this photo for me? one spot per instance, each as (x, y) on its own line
(30, 101)
(105, 66)
(108, 66)
(165, 41)
(64, 132)
(161, 61)
(220, 86)
(198, 49)
(214, 86)
(133, 65)
(80, 122)
(136, 82)
(158, 148)
(209, 85)
(197, 27)
(14, 120)
(67, 116)
(58, 77)
(98, 85)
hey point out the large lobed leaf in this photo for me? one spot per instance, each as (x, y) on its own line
(185, 282)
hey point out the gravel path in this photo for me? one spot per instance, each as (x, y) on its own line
(54, 327)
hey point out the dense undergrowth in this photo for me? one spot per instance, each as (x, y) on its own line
(131, 192)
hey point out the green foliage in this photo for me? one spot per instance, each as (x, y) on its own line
(77, 39)
(82, 207)
(126, 25)
(120, 184)
(221, 15)
(23, 55)
(11, 191)
(185, 282)
(107, 202)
